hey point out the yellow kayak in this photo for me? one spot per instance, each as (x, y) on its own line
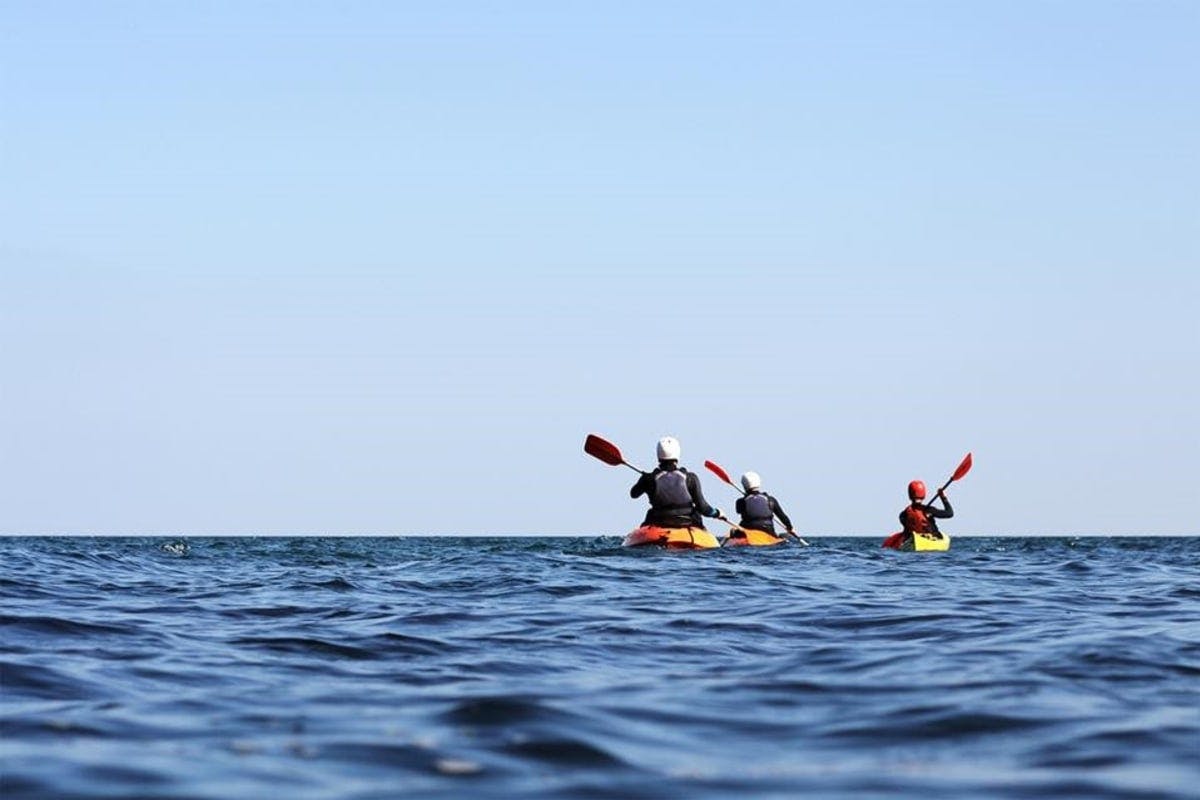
(920, 542)
(750, 537)
(671, 538)
(929, 541)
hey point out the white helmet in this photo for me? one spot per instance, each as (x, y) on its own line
(751, 481)
(668, 449)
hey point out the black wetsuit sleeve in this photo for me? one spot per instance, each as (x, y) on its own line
(643, 486)
(940, 513)
(693, 482)
(740, 506)
(777, 510)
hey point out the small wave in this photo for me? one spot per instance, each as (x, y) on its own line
(60, 626)
(933, 724)
(564, 752)
(400, 644)
(338, 584)
(264, 612)
(305, 646)
(1067, 758)
(43, 682)
(500, 711)
(863, 621)
(568, 590)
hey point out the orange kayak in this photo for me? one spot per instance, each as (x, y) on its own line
(749, 537)
(671, 538)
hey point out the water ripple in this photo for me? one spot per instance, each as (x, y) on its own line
(371, 668)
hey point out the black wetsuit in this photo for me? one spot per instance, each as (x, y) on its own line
(932, 514)
(762, 519)
(673, 503)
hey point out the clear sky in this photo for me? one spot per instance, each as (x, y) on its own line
(379, 267)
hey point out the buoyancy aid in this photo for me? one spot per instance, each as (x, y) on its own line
(915, 519)
(671, 495)
(757, 512)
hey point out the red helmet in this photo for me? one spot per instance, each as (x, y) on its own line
(916, 490)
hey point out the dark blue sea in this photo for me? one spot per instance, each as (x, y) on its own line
(534, 667)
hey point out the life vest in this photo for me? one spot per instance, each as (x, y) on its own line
(756, 512)
(916, 520)
(671, 495)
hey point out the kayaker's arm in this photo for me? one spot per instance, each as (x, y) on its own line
(777, 510)
(642, 486)
(702, 505)
(940, 513)
(740, 506)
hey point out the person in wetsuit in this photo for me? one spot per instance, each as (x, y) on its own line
(759, 509)
(917, 517)
(676, 500)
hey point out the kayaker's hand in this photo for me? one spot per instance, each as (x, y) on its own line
(718, 513)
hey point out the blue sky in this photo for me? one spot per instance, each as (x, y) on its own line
(379, 268)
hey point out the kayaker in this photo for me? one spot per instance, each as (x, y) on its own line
(676, 500)
(917, 517)
(759, 509)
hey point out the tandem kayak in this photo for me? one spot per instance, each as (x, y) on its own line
(918, 542)
(750, 537)
(671, 538)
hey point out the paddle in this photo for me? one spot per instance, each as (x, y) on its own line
(607, 452)
(715, 469)
(963, 468)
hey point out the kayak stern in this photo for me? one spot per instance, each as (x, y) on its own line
(919, 542)
(750, 537)
(671, 538)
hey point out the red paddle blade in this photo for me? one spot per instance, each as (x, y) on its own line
(963, 468)
(715, 469)
(894, 541)
(603, 449)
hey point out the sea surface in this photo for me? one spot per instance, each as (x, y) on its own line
(537, 667)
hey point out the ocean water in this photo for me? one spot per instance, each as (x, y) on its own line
(521, 667)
